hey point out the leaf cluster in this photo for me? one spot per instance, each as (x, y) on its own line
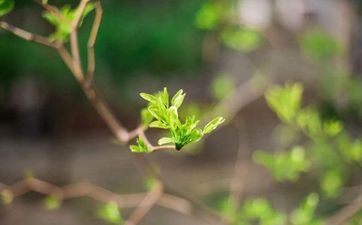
(328, 150)
(261, 211)
(162, 113)
(219, 16)
(62, 20)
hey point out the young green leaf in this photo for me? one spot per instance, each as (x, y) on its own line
(213, 124)
(52, 202)
(141, 147)
(166, 116)
(165, 140)
(164, 97)
(6, 6)
(6, 197)
(148, 97)
(178, 98)
(285, 101)
(158, 124)
(88, 8)
(110, 213)
(146, 117)
(241, 39)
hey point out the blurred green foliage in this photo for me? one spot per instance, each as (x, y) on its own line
(6, 6)
(219, 17)
(284, 165)
(319, 45)
(222, 86)
(52, 202)
(157, 38)
(63, 21)
(241, 39)
(330, 148)
(260, 211)
(110, 213)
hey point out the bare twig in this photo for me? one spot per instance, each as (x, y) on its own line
(50, 8)
(236, 183)
(242, 96)
(26, 35)
(345, 213)
(92, 40)
(85, 189)
(146, 205)
(77, 64)
(78, 15)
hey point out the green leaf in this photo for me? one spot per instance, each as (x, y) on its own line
(284, 165)
(213, 124)
(164, 97)
(211, 15)
(332, 128)
(52, 202)
(61, 22)
(149, 182)
(331, 183)
(196, 135)
(165, 140)
(178, 98)
(319, 45)
(158, 124)
(222, 86)
(259, 210)
(88, 8)
(148, 97)
(110, 213)
(305, 213)
(241, 39)
(285, 101)
(141, 147)
(51, 18)
(146, 117)
(6, 6)
(7, 197)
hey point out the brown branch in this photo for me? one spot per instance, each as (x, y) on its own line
(345, 213)
(92, 40)
(237, 182)
(242, 96)
(50, 8)
(78, 14)
(26, 35)
(85, 189)
(146, 205)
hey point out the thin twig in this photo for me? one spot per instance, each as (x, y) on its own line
(146, 205)
(345, 213)
(237, 182)
(26, 35)
(50, 8)
(85, 189)
(92, 40)
(242, 96)
(78, 14)
(77, 64)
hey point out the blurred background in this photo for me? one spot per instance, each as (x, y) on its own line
(223, 53)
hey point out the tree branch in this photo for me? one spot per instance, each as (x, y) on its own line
(92, 40)
(26, 35)
(85, 189)
(146, 205)
(345, 213)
